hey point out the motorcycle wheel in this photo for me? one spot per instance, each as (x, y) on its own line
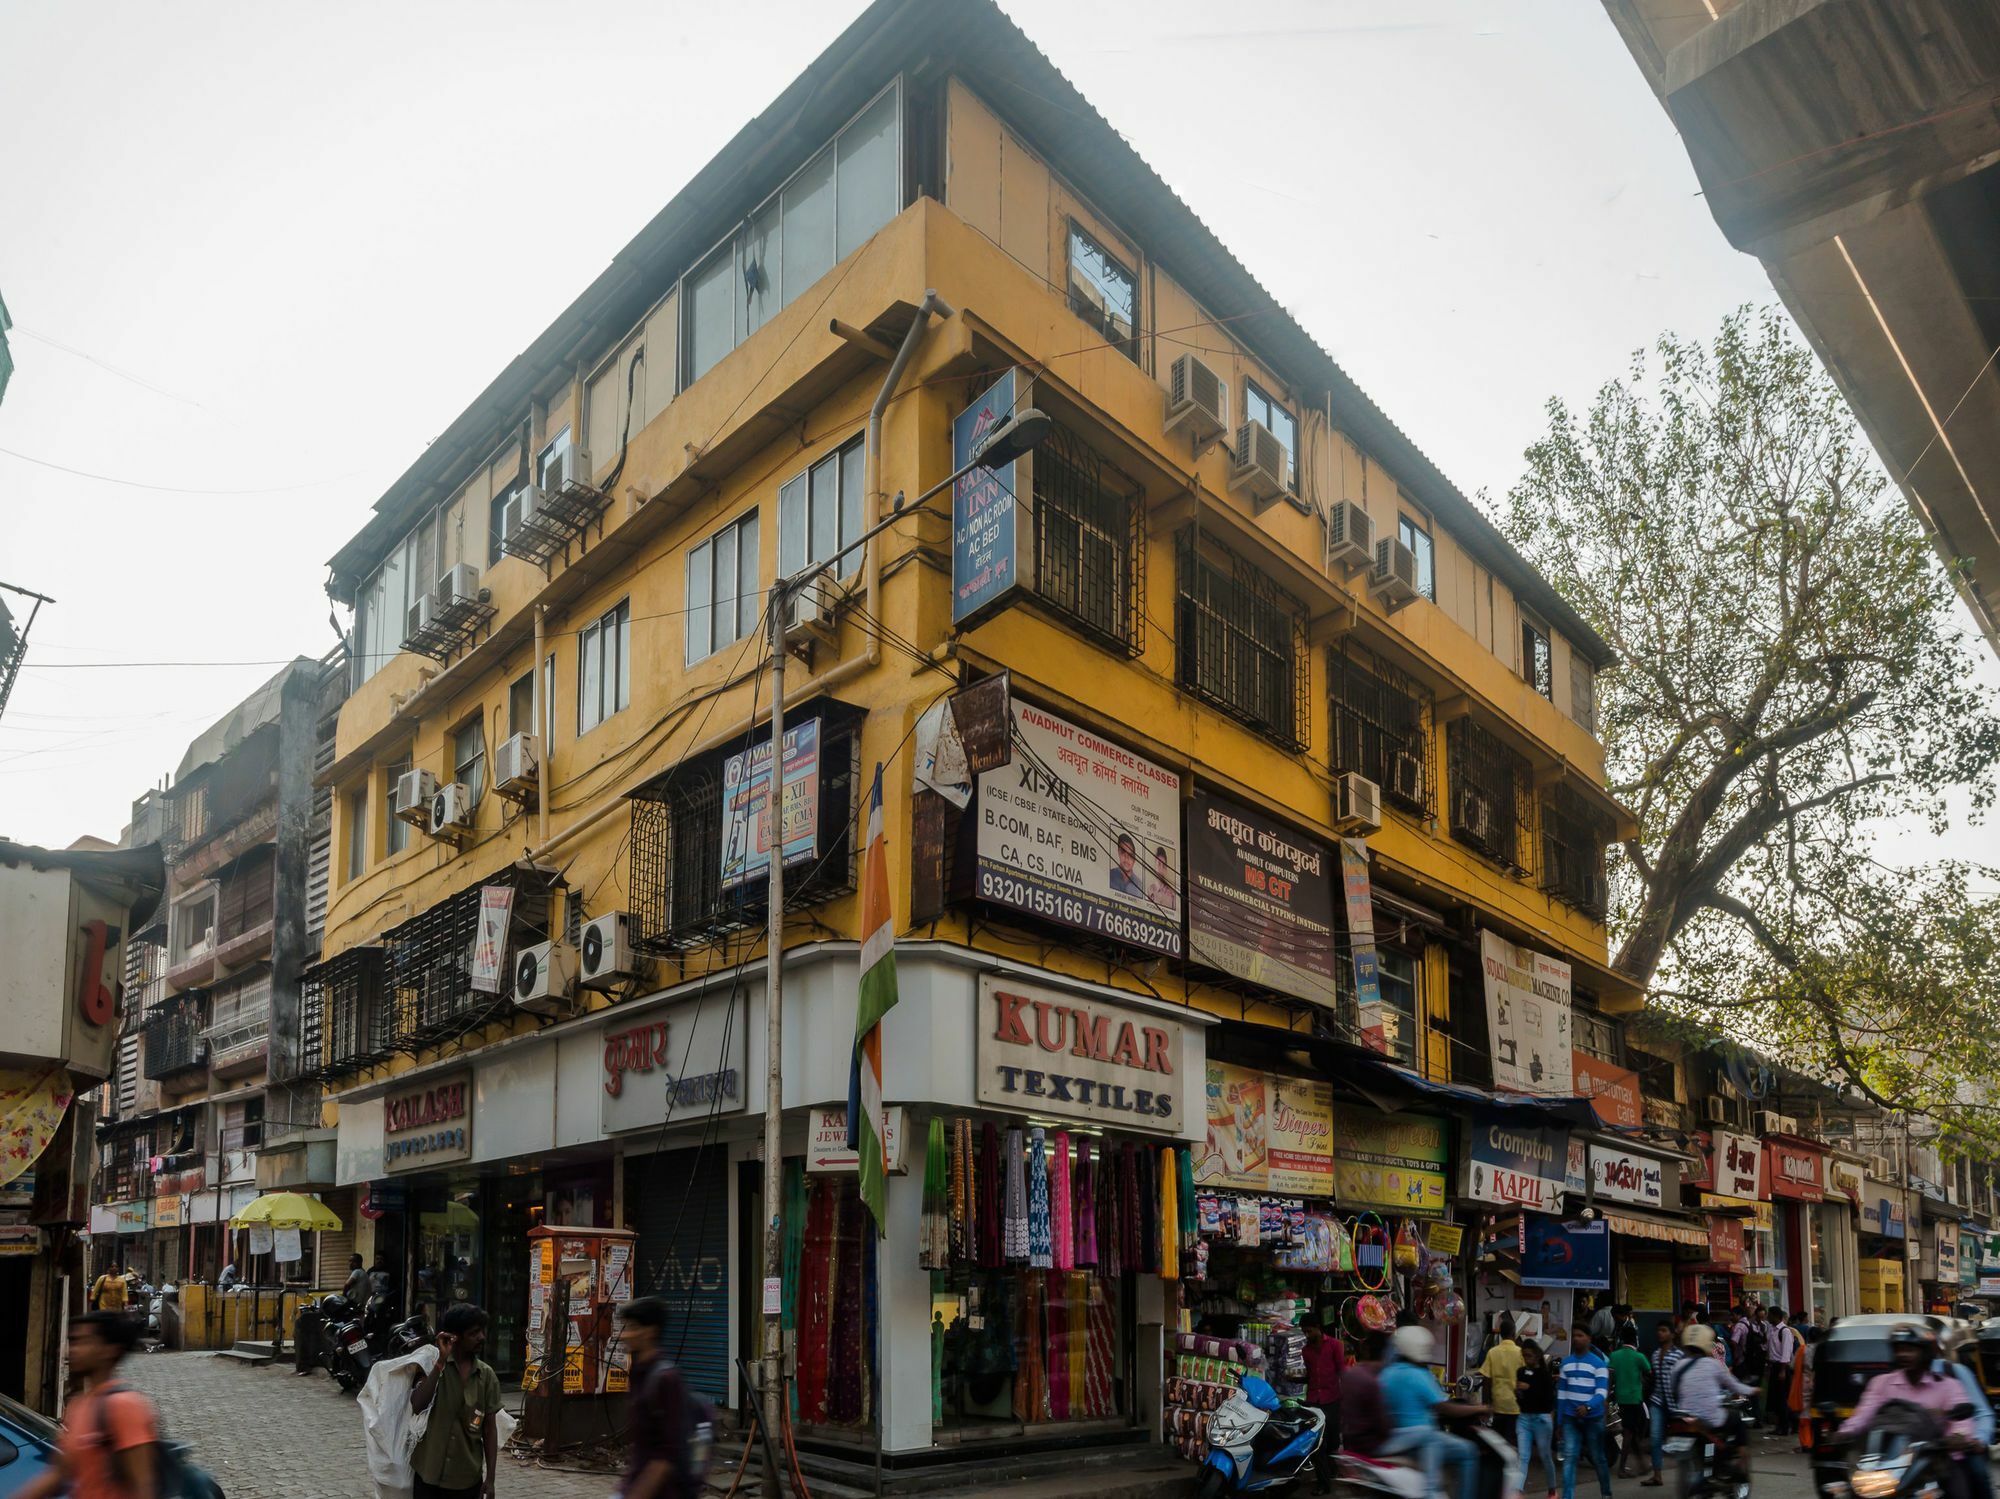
(1210, 1486)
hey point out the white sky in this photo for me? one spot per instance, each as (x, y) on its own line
(281, 246)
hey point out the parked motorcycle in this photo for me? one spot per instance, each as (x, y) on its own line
(407, 1336)
(312, 1346)
(349, 1357)
(1693, 1468)
(1258, 1441)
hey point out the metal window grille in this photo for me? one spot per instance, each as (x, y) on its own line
(430, 995)
(1491, 793)
(1574, 835)
(1090, 543)
(678, 899)
(1241, 642)
(124, 1174)
(342, 1014)
(173, 1035)
(1599, 1035)
(1382, 727)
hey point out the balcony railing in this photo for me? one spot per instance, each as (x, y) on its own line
(241, 1039)
(174, 1042)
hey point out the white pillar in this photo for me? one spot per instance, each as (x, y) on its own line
(904, 1331)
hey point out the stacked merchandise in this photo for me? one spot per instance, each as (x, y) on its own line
(1206, 1370)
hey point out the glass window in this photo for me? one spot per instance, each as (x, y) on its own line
(603, 673)
(357, 832)
(1398, 979)
(1418, 540)
(1259, 407)
(808, 228)
(468, 757)
(554, 463)
(763, 269)
(504, 515)
(398, 831)
(1102, 292)
(1537, 663)
(819, 512)
(711, 312)
(868, 189)
(724, 588)
(521, 704)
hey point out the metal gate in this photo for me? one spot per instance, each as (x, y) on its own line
(678, 1202)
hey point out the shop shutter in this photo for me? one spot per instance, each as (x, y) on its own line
(336, 1247)
(678, 1202)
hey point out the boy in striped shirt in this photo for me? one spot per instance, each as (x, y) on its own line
(1583, 1389)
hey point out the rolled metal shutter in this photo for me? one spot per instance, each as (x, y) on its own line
(678, 1203)
(336, 1246)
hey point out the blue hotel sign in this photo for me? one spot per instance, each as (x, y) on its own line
(992, 545)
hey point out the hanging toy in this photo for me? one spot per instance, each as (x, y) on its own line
(1450, 1308)
(1408, 1249)
(1371, 1252)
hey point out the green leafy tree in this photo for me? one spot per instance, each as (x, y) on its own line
(1792, 679)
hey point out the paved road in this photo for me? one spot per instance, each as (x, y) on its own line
(266, 1434)
(1776, 1472)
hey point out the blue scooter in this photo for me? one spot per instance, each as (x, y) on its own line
(1258, 1441)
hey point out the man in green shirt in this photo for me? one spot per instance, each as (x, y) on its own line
(1630, 1374)
(462, 1394)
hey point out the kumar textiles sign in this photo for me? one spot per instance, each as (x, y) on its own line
(1042, 1051)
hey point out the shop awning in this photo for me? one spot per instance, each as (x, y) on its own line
(1377, 1079)
(1643, 1225)
(32, 1104)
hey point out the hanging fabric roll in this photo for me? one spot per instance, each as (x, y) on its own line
(1110, 1251)
(1041, 1246)
(1170, 1216)
(1131, 1234)
(1086, 1208)
(934, 1231)
(1064, 1242)
(1015, 1233)
(987, 1184)
(1190, 1212)
(1147, 1210)
(961, 1196)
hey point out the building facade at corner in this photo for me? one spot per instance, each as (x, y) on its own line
(1241, 790)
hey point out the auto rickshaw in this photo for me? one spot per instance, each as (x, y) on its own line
(1986, 1345)
(1854, 1351)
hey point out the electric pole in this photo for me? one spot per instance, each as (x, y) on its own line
(14, 643)
(774, 1103)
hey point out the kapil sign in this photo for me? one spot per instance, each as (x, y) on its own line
(1040, 1050)
(428, 1125)
(1515, 1165)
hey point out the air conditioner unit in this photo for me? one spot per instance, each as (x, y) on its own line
(451, 811)
(1393, 579)
(1716, 1110)
(544, 974)
(1878, 1167)
(414, 790)
(1350, 537)
(514, 765)
(809, 612)
(417, 618)
(1357, 804)
(607, 950)
(1475, 816)
(1197, 398)
(1406, 779)
(1259, 467)
(460, 585)
(1767, 1123)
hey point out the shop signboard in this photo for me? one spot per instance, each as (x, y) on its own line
(1738, 1166)
(1944, 1252)
(428, 1123)
(1843, 1179)
(746, 806)
(489, 942)
(167, 1212)
(1044, 1051)
(133, 1217)
(991, 545)
(1968, 1258)
(1380, 1026)
(1082, 832)
(1725, 1241)
(1989, 1285)
(826, 1142)
(1267, 1133)
(683, 1061)
(1390, 1163)
(1612, 1091)
(1627, 1176)
(1796, 1171)
(1515, 1165)
(21, 1240)
(1649, 1285)
(1528, 1017)
(1882, 1209)
(1260, 899)
(1565, 1256)
(1576, 1169)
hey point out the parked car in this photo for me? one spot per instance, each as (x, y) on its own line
(27, 1446)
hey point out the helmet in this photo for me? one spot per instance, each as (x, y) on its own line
(1912, 1335)
(1699, 1336)
(1413, 1344)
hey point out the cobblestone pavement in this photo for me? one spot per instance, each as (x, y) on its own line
(267, 1434)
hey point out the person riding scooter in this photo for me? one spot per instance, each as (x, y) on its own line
(1700, 1391)
(1916, 1381)
(1417, 1405)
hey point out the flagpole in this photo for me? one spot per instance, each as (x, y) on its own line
(774, 1102)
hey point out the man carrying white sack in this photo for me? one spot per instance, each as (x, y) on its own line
(436, 1412)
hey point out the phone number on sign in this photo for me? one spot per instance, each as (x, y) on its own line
(1059, 905)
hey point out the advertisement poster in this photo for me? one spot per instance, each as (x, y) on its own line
(1725, 1241)
(1260, 899)
(1649, 1285)
(1565, 1256)
(1612, 1091)
(1239, 1145)
(489, 944)
(1795, 1171)
(1528, 1017)
(1380, 1025)
(1515, 1165)
(746, 806)
(988, 515)
(1301, 1138)
(1390, 1163)
(1080, 831)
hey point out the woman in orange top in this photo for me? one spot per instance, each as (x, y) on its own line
(1799, 1399)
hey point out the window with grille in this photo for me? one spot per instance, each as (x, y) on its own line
(1538, 662)
(1575, 833)
(343, 1014)
(248, 895)
(1490, 786)
(1598, 1035)
(243, 1124)
(430, 996)
(173, 1035)
(1382, 727)
(1090, 542)
(1240, 641)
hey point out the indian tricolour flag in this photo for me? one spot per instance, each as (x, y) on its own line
(867, 1120)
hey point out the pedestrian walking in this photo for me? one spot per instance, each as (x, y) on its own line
(1326, 1361)
(1535, 1393)
(110, 1435)
(1667, 1352)
(661, 1418)
(1781, 1347)
(1629, 1373)
(462, 1394)
(1501, 1364)
(1583, 1393)
(111, 1291)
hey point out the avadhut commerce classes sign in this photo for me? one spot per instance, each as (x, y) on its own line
(1527, 1016)
(1392, 1163)
(1081, 831)
(1515, 1165)
(1040, 1050)
(1260, 899)
(1267, 1133)
(746, 806)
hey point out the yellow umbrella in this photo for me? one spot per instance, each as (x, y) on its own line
(286, 1210)
(456, 1218)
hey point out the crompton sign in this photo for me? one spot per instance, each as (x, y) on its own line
(1515, 1165)
(1042, 1051)
(428, 1125)
(682, 1062)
